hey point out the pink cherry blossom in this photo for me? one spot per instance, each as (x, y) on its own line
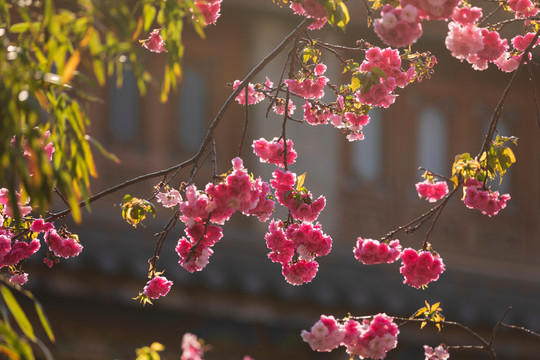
(398, 27)
(369, 251)
(39, 225)
(279, 107)
(308, 88)
(210, 10)
(433, 9)
(191, 348)
(467, 15)
(254, 96)
(523, 8)
(19, 279)
(272, 152)
(487, 201)
(170, 198)
(433, 192)
(439, 353)
(463, 41)
(522, 42)
(311, 9)
(371, 339)
(300, 272)
(20, 250)
(155, 42)
(63, 246)
(325, 335)
(420, 269)
(24, 209)
(157, 286)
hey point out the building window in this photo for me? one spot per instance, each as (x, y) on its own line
(367, 154)
(124, 115)
(432, 141)
(191, 111)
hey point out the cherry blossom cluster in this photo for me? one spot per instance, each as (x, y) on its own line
(419, 269)
(309, 86)
(476, 196)
(272, 152)
(255, 94)
(312, 9)
(367, 339)
(389, 61)
(297, 242)
(295, 247)
(439, 353)
(400, 26)
(432, 191)
(237, 191)
(370, 252)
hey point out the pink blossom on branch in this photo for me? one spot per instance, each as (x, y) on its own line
(272, 151)
(439, 353)
(398, 27)
(433, 192)
(369, 251)
(63, 245)
(370, 339)
(325, 335)
(157, 286)
(210, 10)
(419, 269)
(155, 42)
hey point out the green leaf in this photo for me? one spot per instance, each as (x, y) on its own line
(300, 181)
(44, 321)
(380, 73)
(18, 313)
(149, 15)
(24, 26)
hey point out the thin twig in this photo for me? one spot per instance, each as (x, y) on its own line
(438, 213)
(245, 127)
(496, 328)
(521, 328)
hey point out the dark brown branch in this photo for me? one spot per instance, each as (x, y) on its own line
(521, 328)
(246, 119)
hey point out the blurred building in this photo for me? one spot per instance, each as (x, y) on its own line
(240, 302)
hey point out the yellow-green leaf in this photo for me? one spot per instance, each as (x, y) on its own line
(18, 313)
(44, 321)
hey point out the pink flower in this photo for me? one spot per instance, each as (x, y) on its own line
(467, 15)
(300, 272)
(19, 279)
(311, 9)
(254, 96)
(463, 41)
(279, 107)
(522, 42)
(272, 151)
(8, 210)
(487, 201)
(398, 27)
(308, 88)
(20, 250)
(39, 225)
(170, 198)
(439, 353)
(369, 251)
(420, 269)
(155, 42)
(433, 9)
(191, 348)
(433, 192)
(325, 335)
(210, 10)
(157, 286)
(507, 62)
(523, 8)
(63, 246)
(371, 339)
